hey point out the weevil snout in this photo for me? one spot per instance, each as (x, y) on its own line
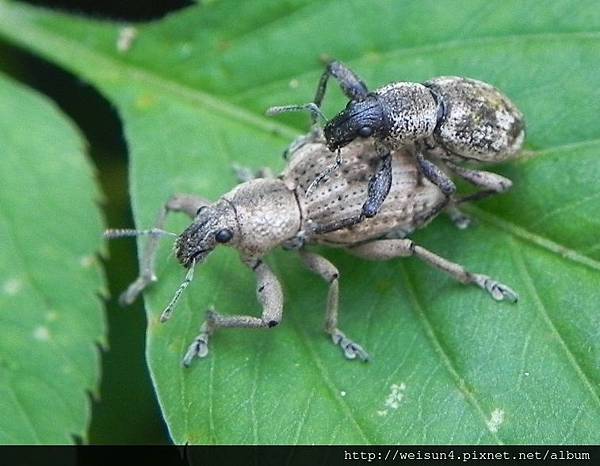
(359, 119)
(213, 225)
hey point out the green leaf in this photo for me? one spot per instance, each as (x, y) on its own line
(51, 318)
(463, 369)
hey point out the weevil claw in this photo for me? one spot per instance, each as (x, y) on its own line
(499, 291)
(351, 350)
(198, 349)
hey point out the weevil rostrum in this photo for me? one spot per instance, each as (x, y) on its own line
(445, 122)
(261, 214)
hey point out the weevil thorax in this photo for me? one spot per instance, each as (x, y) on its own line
(396, 114)
(361, 118)
(214, 224)
(410, 111)
(267, 214)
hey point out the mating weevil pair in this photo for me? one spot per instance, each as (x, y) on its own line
(261, 214)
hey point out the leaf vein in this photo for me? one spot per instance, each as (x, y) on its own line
(534, 238)
(443, 355)
(519, 260)
(335, 393)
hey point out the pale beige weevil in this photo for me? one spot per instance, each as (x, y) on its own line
(261, 214)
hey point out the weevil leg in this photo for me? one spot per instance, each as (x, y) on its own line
(185, 203)
(328, 272)
(459, 218)
(390, 249)
(352, 86)
(316, 131)
(435, 175)
(491, 183)
(244, 174)
(379, 185)
(314, 135)
(270, 296)
(320, 229)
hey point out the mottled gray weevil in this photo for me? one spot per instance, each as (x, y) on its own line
(263, 213)
(443, 121)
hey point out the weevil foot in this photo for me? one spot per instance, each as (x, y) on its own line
(498, 290)
(351, 350)
(460, 220)
(198, 349)
(244, 174)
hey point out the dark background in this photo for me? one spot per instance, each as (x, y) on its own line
(126, 387)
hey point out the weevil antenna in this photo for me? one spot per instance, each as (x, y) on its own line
(127, 232)
(325, 173)
(166, 314)
(316, 115)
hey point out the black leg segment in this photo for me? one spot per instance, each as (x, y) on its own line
(435, 175)
(379, 186)
(352, 86)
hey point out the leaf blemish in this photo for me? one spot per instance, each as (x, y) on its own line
(497, 417)
(396, 395)
(86, 261)
(126, 37)
(41, 334)
(394, 398)
(185, 50)
(12, 286)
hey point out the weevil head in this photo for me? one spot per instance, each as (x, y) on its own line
(214, 224)
(362, 118)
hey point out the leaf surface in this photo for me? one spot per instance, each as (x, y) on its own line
(51, 318)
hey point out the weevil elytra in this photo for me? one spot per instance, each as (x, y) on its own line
(263, 213)
(445, 121)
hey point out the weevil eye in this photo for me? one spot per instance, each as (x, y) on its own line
(224, 235)
(200, 209)
(365, 131)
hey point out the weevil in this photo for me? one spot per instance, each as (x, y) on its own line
(261, 214)
(444, 121)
